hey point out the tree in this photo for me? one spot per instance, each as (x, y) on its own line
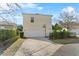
(9, 10)
(69, 15)
(20, 27)
(56, 27)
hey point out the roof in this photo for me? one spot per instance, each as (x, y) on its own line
(72, 25)
(7, 23)
(36, 14)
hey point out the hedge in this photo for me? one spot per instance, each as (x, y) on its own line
(59, 35)
(7, 34)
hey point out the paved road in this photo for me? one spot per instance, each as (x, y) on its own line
(68, 50)
(37, 47)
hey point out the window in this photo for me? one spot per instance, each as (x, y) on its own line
(32, 19)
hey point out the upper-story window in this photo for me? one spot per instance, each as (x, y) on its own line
(32, 20)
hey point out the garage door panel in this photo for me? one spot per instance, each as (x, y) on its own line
(34, 33)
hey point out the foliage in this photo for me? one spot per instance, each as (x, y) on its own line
(68, 16)
(59, 32)
(7, 34)
(20, 27)
(59, 35)
(21, 34)
(19, 30)
(56, 27)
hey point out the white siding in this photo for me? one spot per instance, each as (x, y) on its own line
(36, 29)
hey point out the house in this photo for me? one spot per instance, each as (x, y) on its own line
(7, 25)
(37, 25)
(72, 26)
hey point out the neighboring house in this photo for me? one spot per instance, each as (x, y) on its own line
(73, 27)
(7, 25)
(37, 25)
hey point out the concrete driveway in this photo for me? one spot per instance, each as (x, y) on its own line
(37, 47)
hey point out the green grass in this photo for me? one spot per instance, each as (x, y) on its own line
(13, 48)
(65, 41)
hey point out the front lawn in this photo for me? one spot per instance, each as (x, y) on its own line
(65, 41)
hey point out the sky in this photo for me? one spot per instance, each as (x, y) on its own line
(53, 9)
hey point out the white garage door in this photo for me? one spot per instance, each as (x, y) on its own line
(34, 33)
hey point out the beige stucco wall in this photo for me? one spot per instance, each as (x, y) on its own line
(36, 29)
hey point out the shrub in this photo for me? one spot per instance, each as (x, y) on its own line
(66, 34)
(21, 34)
(56, 27)
(7, 34)
(59, 35)
(51, 35)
